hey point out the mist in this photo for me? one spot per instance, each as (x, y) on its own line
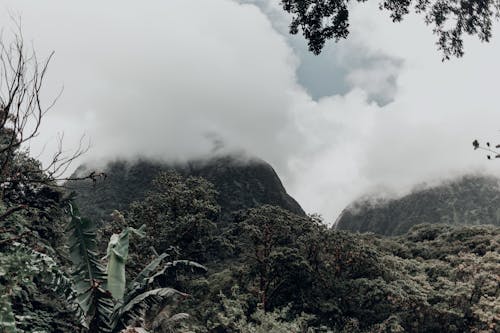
(184, 79)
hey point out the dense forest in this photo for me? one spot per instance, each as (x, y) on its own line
(262, 268)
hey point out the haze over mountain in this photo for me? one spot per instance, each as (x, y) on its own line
(363, 114)
(241, 182)
(468, 200)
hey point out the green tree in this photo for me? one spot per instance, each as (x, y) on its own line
(179, 212)
(275, 244)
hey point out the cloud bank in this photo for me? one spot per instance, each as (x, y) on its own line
(177, 79)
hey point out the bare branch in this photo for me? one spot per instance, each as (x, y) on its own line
(22, 109)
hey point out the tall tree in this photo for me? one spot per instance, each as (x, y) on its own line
(181, 213)
(276, 245)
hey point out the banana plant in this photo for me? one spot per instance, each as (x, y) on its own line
(108, 302)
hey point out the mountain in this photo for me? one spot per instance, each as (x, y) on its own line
(468, 200)
(241, 183)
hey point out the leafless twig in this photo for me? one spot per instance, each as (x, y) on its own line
(22, 76)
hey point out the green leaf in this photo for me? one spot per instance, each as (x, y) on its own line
(159, 292)
(179, 264)
(83, 251)
(117, 255)
(141, 280)
(95, 302)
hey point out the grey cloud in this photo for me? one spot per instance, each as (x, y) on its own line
(179, 79)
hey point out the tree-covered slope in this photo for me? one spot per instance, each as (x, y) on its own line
(436, 278)
(240, 184)
(469, 200)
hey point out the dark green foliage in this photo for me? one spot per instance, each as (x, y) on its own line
(427, 285)
(107, 302)
(32, 245)
(89, 274)
(275, 244)
(435, 279)
(276, 270)
(269, 270)
(470, 200)
(321, 20)
(33, 283)
(179, 213)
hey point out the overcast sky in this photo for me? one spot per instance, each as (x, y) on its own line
(169, 79)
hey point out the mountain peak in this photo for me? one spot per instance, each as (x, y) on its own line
(241, 182)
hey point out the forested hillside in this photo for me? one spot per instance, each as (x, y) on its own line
(239, 181)
(261, 269)
(469, 200)
(270, 270)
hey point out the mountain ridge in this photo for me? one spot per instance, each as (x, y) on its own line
(241, 183)
(467, 200)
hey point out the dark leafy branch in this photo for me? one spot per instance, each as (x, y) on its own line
(322, 20)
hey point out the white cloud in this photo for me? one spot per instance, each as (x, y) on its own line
(168, 78)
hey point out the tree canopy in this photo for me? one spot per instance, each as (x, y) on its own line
(321, 20)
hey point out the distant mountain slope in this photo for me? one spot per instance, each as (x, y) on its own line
(469, 200)
(241, 184)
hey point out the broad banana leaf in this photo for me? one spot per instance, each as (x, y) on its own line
(101, 310)
(95, 302)
(159, 292)
(117, 255)
(179, 264)
(83, 251)
(140, 282)
(134, 309)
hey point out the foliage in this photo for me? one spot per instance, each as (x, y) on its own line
(322, 20)
(31, 273)
(422, 283)
(275, 244)
(233, 317)
(180, 213)
(492, 151)
(14, 274)
(284, 272)
(435, 278)
(20, 268)
(32, 250)
(107, 301)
